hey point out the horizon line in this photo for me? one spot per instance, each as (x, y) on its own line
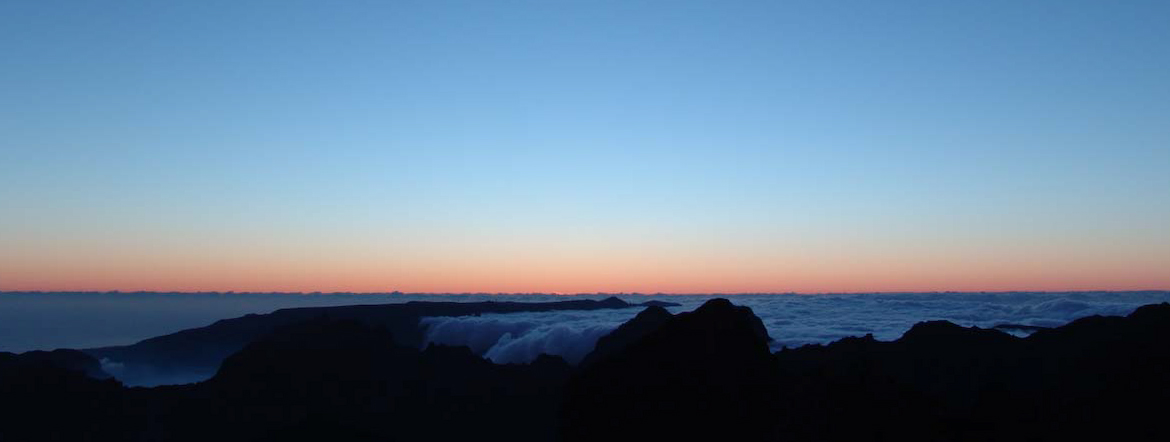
(400, 293)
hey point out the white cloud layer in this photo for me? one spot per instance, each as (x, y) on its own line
(521, 337)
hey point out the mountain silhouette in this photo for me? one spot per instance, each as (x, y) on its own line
(705, 374)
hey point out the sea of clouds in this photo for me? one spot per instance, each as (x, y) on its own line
(521, 337)
(792, 320)
(80, 320)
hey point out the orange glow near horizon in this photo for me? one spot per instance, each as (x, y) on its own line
(532, 274)
(457, 261)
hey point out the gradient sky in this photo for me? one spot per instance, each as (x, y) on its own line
(556, 146)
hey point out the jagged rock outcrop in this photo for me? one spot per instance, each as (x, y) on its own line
(702, 374)
(628, 333)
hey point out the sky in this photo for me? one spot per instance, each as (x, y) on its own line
(592, 146)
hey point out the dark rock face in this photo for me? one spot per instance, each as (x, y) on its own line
(633, 330)
(703, 374)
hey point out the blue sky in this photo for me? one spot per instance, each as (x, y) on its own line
(581, 146)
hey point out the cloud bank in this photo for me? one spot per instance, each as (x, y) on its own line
(521, 337)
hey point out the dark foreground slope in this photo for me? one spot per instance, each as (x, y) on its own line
(196, 354)
(60, 395)
(703, 375)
